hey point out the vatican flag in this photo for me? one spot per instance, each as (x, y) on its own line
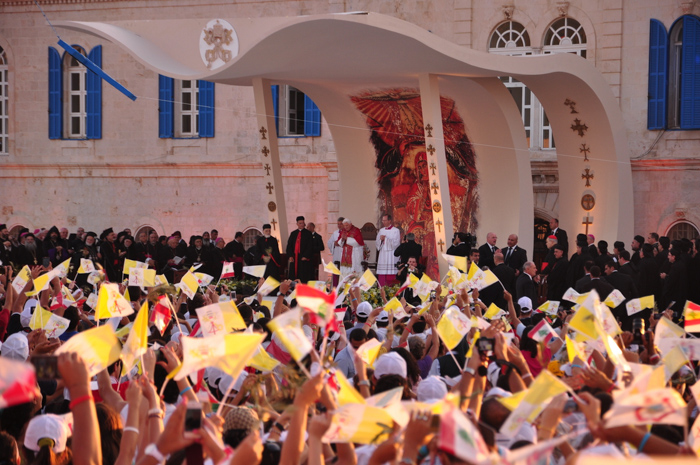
(222, 317)
(359, 424)
(189, 284)
(21, 279)
(453, 326)
(330, 268)
(98, 347)
(367, 280)
(369, 351)
(287, 327)
(111, 303)
(458, 262)
(227, 352)
(268, 286)
(137, 341)
(86, 266)
(129, 264)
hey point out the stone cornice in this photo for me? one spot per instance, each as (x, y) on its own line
(656, 164)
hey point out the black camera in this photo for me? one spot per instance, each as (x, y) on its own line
(485, 346)
(638, 332)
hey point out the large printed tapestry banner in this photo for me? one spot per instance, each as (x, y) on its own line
(396, 120)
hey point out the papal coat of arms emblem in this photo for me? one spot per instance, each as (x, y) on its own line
(218, 43)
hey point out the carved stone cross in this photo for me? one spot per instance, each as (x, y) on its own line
(269, 187)
(263, 133)
(587, 175)
(433, 168)
(430, 149)
(438, 223)
(579, 127)
(274, 224)
(441, 243)
(267, 168)
(585, 151)
(587, 221)
(572, 105)
(429, 130)
(265, 151)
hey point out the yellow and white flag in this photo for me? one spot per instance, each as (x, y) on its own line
(667, 329)
(137, 342)
(142, 277)
(369, 351)
(98, 347)
(54, 325)
(637, 305)
(550, 307)
(111, 303)
(287, 328)
(658, 406)
(453, 326)
(394, 307)
(258, 270)
(493, 312)
(541, 391)
(21, 279)
(268, 286)
(330, 268)
(347, 394)
(129, 264)
(575, 349)
(189, 284)
(86, 266)
(161, 279)
(480, 279)
(227, 352)
(458, 262)
(262, 361)
(367, 280)
(359, 424)
(222, 317)
(204, 279)
(614, 299)
(572, 296)
(673, 361)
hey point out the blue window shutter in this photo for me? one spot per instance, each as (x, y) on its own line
(93, 99)
(55, 95)
(658, 75)
(166, 96)
(312, 118)
(690, 74)
(206, 109)
(275, 106)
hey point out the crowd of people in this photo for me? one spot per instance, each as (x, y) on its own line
(441, 370)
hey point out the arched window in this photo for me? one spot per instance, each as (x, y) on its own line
(511, 38)
(4, 102)
(682, 230)
(145, 228)
(250, 236)
(565, 35)
(75, 95)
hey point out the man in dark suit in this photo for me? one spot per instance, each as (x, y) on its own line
(620, 281)
(603, 288)
(459, 247)
(556, 280)
(627, 266)
(526, 285)
(504, 273)
(513, 255)
(409, 248)
(562, 238)
(637, 244)
(675, 282)
(234, 252)
(578, 287)
(648, 276)
(487, 250)
(578, 259)
(317, 248)
(592, 249)
(300, 252)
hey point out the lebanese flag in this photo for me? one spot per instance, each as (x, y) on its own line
(542, 332)
(227, 270)
(160, 315)
(458, 436)
(19, 382)
(320, 304)
(692, 317)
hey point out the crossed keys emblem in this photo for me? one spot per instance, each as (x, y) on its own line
(218, 36)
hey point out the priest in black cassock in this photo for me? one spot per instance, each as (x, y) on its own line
(268, 253)
(234, 252)
(300, 251)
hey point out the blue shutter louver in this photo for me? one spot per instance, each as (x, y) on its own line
(206, 109)
(312, 118)
(658, 75)
(55, 100)
(93, 99)
(275, 106)
(690, 74)
(166, 95)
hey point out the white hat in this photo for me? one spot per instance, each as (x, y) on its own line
(26, 315)
(226, 380)
(431, 389)
(499, 392)
(16, 347)
(390, 363)
(525, 304)
(493, 371)
(47, 426)
(383, 316)
(364, 309)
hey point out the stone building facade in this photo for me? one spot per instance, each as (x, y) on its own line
(131, 177)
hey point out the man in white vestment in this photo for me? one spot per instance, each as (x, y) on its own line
(353, 249)
(388, 239)
(335, 248)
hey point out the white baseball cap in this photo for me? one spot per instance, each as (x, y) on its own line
(390, 363)
(525, 304)
(431, 389)
(48, 426)
(364, 309)
(16, 347)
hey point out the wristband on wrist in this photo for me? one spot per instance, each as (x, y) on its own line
(130, 428)
(188, 388)
(645, 439)
(155, 411)
(73, 403)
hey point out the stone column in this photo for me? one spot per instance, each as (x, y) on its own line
(437, 163)
(270, 158)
